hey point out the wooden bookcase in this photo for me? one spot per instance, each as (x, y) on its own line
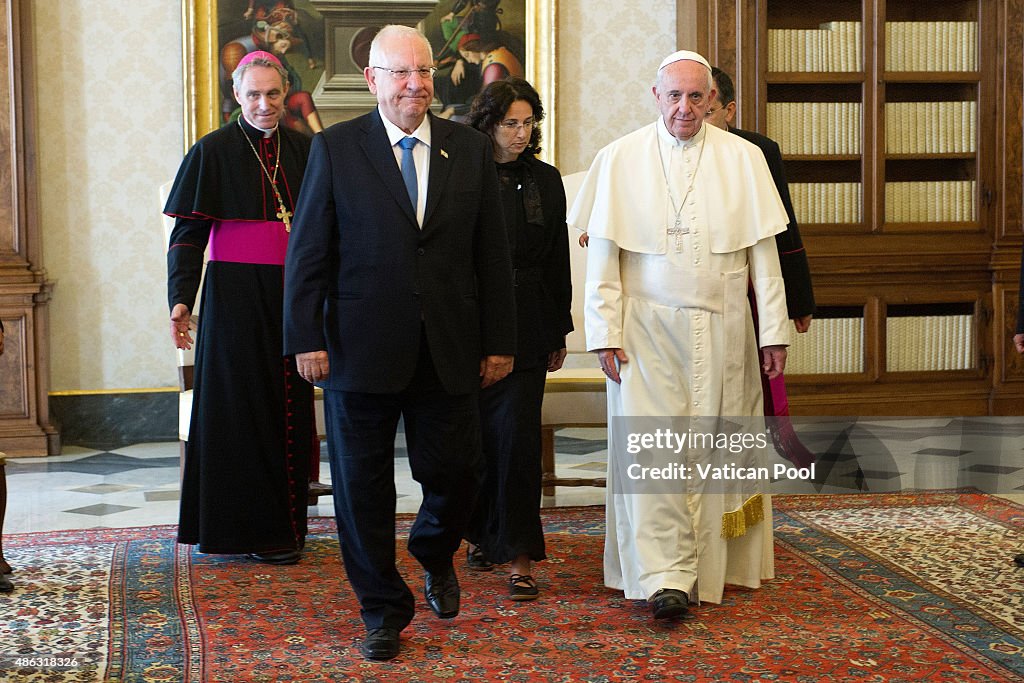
(900, 124)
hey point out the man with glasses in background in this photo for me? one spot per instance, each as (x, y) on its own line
(792, 256)
(398, 302)
(796, 272)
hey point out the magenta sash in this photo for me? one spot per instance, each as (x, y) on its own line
(263, 242)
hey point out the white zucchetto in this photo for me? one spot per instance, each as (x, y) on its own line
(681, 55)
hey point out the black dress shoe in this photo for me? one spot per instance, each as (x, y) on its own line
(668, 603)
(5, 584)
(380, 644)
(281, 557)
(442, 593)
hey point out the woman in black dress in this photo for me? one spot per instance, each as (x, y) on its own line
(506, 525)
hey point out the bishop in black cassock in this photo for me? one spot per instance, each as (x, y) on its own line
(252, 430)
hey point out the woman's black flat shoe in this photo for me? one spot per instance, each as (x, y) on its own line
(477, 561)
(522, 587)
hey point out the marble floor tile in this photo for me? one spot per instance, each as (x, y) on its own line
(158, 450)
(161, 496)
(102, 489)
(100, 510)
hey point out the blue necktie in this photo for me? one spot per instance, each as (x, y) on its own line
(409, 169)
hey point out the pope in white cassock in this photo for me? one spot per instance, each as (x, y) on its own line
(681, 217)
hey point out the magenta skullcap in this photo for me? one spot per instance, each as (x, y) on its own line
(259, 54)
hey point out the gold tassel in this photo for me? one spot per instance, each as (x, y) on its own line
(736, 522)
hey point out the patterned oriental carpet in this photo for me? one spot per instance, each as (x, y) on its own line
(869, 587)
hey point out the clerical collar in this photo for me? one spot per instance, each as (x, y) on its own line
(673, 141)
(256, 131)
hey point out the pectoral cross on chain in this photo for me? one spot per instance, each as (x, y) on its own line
(286, 217)
(677, 231)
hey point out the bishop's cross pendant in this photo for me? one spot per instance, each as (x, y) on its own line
(677, 231)
(286, 217)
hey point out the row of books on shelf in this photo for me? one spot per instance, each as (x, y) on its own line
(913, 344)
(930, 127)
(931, 46)
(929, 201)
(909, 46)
(815, 127)
(827, 202)
(929, 343)
(834, 46)
(830, 346)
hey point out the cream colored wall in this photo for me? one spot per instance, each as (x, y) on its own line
(109, 89)
(608, 53)
(109, 101)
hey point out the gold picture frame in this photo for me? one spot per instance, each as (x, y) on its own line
(200, 67)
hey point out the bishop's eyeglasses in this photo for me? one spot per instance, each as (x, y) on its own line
(402, 74)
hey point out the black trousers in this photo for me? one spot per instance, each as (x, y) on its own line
(443, 438)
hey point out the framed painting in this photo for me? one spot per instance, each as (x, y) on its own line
(324, 43)
(218, 33)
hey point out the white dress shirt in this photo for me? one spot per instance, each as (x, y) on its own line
(420, 156)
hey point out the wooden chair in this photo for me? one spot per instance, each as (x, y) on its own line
(575, 395)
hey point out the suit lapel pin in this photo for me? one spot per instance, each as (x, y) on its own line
(444, 154)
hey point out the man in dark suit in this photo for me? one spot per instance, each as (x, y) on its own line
(792, 258)
(398, 301)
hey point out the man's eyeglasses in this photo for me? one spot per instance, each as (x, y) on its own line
(403, 74)
(712, 112)
(511, 125)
